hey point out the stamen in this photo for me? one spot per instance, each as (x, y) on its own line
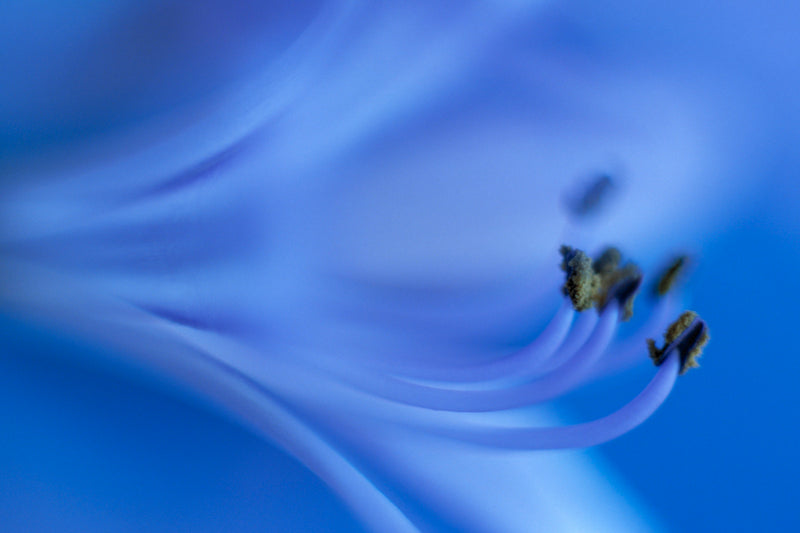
(560, 360)
(608, 261)
(600, 281)
(670, 275)
(582, 281)
(577, 337)
(591, 199)
(545, 388)
(621, 285)
(628, 352)
(582, 435)
(688, 335)
(517, 364)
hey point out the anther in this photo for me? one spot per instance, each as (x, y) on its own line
(688, 335)
(599, 282)
(582, 281)
(591, 199)
(608, 261)
(670, 275)
(626, 286)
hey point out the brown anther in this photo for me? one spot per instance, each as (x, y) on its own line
(689, 334)
(596, 283)
(617, 283)
(670, 275)
(623, 286)
(608, 261)
(582, 282)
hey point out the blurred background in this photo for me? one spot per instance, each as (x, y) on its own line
(88, 446)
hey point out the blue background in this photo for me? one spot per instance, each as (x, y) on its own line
(87, 447)
(721, 454)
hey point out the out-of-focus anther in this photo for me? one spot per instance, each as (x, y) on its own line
(608, 261)
(688, 335)
(670, 275)
(592, 198)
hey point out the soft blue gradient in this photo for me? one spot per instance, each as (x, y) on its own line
(85, 448)
(374, 191)
(721, 454)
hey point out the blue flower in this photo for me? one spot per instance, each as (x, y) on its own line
(343, 227)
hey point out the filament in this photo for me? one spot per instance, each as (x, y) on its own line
(578, 435)
(584, 327)
(542, 389)
(518, 363)
(629, 352)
